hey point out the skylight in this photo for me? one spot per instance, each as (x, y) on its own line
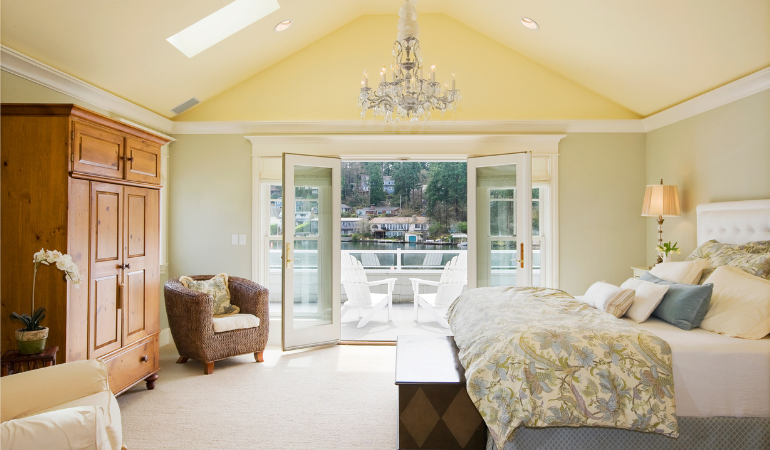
(221, 25)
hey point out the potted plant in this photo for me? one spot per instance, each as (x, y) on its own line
(31, 339)
(666, 249)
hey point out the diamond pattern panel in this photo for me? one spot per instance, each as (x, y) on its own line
(439, 416)
(702, 433)
(419, 417)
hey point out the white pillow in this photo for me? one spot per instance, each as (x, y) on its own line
(687, 272)
(740, 304)
(647, 297)
(608, 298)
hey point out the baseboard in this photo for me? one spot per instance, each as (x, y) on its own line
(165, 337)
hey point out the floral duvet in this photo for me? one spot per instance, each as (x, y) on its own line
(539, 358)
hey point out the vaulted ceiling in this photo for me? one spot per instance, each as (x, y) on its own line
(645, 55)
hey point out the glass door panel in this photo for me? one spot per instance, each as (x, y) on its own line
(499, 220)
(311, 233)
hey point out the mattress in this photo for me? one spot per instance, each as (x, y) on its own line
(716, 375)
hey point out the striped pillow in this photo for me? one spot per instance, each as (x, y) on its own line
(609, 298)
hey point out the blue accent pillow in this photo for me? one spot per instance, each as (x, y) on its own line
(684, 305)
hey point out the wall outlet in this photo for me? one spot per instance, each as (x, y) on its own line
(235, 239)
(242, 239)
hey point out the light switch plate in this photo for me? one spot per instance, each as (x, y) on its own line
(242, 239)
(235, 239)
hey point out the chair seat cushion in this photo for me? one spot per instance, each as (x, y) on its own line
(235, 322)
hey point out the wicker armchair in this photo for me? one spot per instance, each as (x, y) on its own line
(190, 319)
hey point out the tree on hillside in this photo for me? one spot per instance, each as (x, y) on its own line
(376, 183)
(406, 177)
(447, 192)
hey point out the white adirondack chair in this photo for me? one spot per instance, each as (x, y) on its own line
(453, 279)
(432, 259)
(357, 290)
(370, 260)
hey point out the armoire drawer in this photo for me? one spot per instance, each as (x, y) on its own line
(130, 365)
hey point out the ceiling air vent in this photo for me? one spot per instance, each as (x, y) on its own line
(186, 105)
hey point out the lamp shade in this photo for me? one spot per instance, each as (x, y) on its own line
(661, 200)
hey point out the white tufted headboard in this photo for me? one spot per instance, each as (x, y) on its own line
(734, 222)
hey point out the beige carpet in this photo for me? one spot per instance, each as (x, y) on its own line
(340, 397)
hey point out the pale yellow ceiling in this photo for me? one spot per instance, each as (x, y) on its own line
(645, 55)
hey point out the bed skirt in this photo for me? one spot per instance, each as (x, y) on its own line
(702, 433)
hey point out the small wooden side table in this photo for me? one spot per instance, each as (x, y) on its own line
(15, 362)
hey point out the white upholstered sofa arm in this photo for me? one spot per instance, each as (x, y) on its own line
(27, 393)
(81, 428)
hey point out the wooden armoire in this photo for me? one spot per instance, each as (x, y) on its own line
(86, 185)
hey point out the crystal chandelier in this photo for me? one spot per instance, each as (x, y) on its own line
(407, 95)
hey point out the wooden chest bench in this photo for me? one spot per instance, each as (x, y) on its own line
(434, 409)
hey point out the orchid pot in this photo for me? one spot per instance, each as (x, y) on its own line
(31, 342)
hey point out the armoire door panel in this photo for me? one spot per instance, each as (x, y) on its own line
(107, 327)
(135, 299)
(136, 225)
(142, 162)
(141, 239)
(105, 316)
(97, 151)
(107, 213)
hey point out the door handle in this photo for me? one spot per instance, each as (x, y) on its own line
(288, 251)
(521, 257)
(121, 296)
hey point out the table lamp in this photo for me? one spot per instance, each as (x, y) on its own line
(662, 201)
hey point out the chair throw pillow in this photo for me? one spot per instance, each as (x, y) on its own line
(608, 298)
(740, 304)
(216, 287)
(687, 272)
(647, 297)
(684, 305)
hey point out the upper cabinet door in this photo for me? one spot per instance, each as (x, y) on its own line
(142, 161)
(97, 151)
(142, 268)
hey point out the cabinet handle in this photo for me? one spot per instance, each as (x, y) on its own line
(127, 266)
(128, 158)
(143, 358)
(121, 296)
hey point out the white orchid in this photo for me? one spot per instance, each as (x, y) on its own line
(63, 262)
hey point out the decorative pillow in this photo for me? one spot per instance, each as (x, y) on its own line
(687, 272)
(609, 298)
(647, 297)
(740, 304)
(217, 288)
(684, 305)
(705, 250)
(755, 247)
(757, 264)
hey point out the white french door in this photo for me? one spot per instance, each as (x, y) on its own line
(311, 257)
(500, 220)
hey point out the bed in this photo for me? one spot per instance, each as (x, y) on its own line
(722, 384)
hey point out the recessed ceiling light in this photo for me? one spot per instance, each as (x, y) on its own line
(529, 23)
(282, 26)
(221, 24)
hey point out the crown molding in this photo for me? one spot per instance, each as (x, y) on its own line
(373, 147)
(408, 128)
(33, 70)
(741, 88)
